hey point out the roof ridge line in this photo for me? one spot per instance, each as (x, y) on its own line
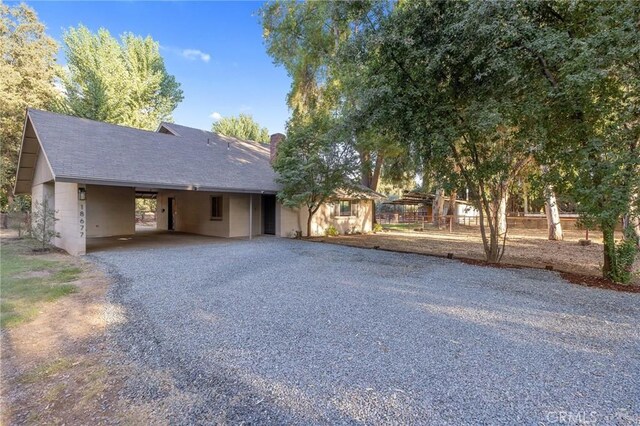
(29, 109)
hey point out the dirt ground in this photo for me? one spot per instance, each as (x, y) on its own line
(54, 368)
(524, 247)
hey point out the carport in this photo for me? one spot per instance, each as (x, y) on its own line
(90, 173)
(183, 217)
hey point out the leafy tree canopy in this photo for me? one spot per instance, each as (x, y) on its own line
(475, 92)
(242, 127)
(306, 38)
(122, 82)
(311, 166)
(27, 74)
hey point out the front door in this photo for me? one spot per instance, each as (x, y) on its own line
(170, 214)
(269, 214)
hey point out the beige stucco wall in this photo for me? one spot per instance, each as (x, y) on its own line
(42, 172)
(71, 214)
(239, 215)
(288, 221)
(193, 213)
(42, 186)
(110, 211)
(360, 221)
(41, 192)
(291, 220)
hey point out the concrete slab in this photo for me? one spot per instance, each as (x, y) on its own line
(150, 239)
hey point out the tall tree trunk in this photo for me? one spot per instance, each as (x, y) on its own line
(609, 243)
(496, 211)
(635, 224)
(451, 207)
(632, 219)
(553, 214)
(309, 219)
(438, 207)
(501, 212)
(554, 226)
(375, 179)
(376, 173)
(365, 169)
(483, 229)
(489, 211)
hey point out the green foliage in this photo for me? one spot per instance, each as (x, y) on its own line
(587, 54)
(146, 205)
(624, 257)
(311, 167)
(241, 127)
(435, 77)
(377, 228)
(306, 38)
(475, 91)
(18, 212)
(27, 74)
(43, 221)
(123, 82)
(331, 231)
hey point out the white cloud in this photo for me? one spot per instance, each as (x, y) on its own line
(193, 54)
(216, 116)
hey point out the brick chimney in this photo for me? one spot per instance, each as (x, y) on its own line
(276, 138)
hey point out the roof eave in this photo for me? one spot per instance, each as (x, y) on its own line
(161, 185)
(28, 119)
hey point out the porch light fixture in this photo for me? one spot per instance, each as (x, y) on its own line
(82, 194)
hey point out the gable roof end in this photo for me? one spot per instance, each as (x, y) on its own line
(30, 151)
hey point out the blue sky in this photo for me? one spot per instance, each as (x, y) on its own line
(214, 49)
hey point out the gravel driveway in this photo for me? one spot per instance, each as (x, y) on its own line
(284, 331)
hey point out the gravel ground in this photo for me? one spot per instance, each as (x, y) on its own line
(284, 331)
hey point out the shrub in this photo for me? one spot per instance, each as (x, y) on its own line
(626, 251)
(43, 223)
(377, 228)
(19, 221)
(331, 231)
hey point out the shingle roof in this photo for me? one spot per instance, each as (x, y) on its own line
(84, 150)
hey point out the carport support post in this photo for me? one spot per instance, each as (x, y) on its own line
(250, 216)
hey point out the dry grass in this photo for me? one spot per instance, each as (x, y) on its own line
(524, 247)
(54, 368)
(46, 371)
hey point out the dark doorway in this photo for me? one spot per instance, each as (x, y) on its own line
(170, 213)
(269, 214)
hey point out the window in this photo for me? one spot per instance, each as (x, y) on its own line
(216, 207)
(345, 207)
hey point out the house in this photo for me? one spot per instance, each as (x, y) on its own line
(91, 172)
